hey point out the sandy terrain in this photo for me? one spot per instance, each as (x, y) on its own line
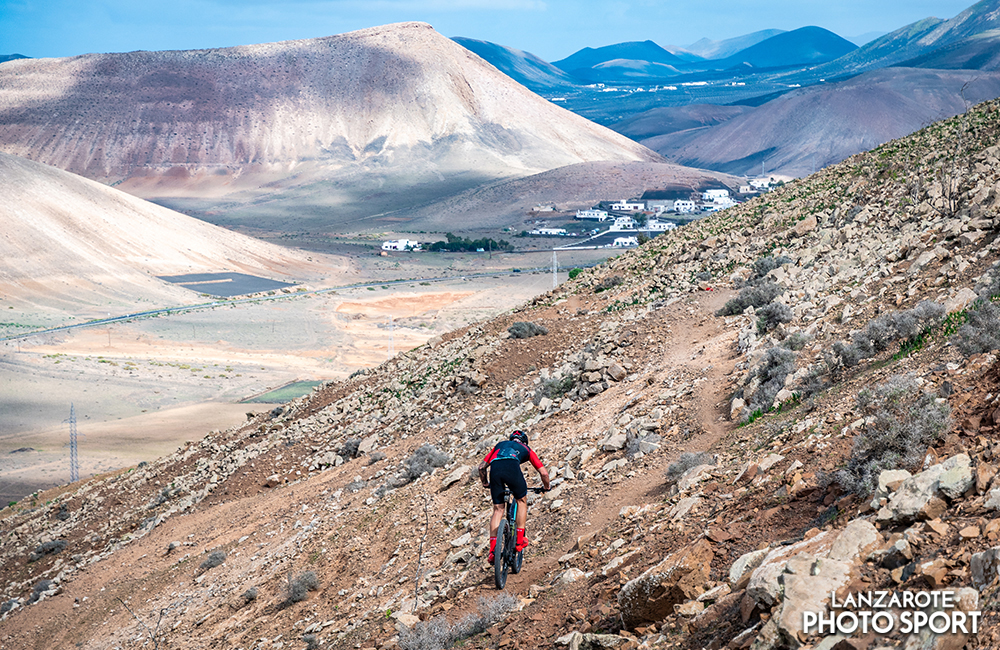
(175, 378)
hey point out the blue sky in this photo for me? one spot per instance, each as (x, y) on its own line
(551, 29)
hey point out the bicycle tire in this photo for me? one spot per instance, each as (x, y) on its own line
(499, 561)
(518, 561)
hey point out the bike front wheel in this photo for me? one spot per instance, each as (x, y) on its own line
(499, 553)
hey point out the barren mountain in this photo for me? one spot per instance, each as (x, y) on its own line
(799, 47)
(73, 244)
(915, 40)
(324, 129)
(670, 119)
(523, 67)
(847, 321)
(811, 128)
(709, 49)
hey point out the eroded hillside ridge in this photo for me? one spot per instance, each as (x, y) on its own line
(373, 97)
(669, 526)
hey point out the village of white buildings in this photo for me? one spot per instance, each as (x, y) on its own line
(628, 218)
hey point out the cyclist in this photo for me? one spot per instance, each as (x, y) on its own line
(504, 462)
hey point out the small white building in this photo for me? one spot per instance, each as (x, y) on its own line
(625, 242)
(714, 195)
(759, 183)
(625, 206)
(660, 226)
(623, 223)
(401, 245)
(684, 206)
(599, 215)
(549, 232)
(748, 189)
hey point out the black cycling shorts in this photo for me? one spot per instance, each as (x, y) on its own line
(507, 471)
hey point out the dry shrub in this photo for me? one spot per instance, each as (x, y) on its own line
(901, 421)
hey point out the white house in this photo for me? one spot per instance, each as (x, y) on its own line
(714, 195)
(748, 189)
(549, 232)
(759, 183)
(660, 226)
(401, 245)
(624, 242)
(623, 223)
(625, 206)
(599, 215)
(684, 206)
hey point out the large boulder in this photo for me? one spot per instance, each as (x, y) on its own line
(920, 497)
(985, 567)
(858, 539)
(739, 572)
(765, 586)
(678, 578)
(808, 582)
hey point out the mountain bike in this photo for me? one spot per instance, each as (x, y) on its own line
(506, 557)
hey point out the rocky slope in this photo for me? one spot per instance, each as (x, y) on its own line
(350, 518)
(330, 128)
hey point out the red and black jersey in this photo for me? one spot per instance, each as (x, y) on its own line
(513, 450)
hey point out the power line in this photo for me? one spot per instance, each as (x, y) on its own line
(74, 462)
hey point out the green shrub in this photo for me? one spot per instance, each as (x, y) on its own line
(981, 331)
(524, 330)
(755, 295)
(299, 588)
(438, 634)
(884, 330)
(214, 559)
(425, 459)
(900, 422)
(771, 372)
(772, 315)
(574, 272)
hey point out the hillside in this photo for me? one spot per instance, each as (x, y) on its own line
(74, 246)
(319, 131)
(506, 203)
(915, 40)
(329, 523)
(813, 127)
(633, 60)
(523, 67)
(799, 47)
(709, 49)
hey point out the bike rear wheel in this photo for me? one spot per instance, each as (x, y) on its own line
(518, 561)
(499, 556)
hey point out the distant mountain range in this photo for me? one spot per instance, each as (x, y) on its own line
(810, 128)
(11, 57)
(798, 101)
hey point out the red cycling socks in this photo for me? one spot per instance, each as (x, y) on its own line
(522, 541)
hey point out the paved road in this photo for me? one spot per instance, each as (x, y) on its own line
(166, 311)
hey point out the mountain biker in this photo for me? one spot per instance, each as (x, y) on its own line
(504, 461)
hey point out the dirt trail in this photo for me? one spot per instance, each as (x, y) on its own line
(698, 343)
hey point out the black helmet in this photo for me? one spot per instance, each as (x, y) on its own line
(520, 436)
